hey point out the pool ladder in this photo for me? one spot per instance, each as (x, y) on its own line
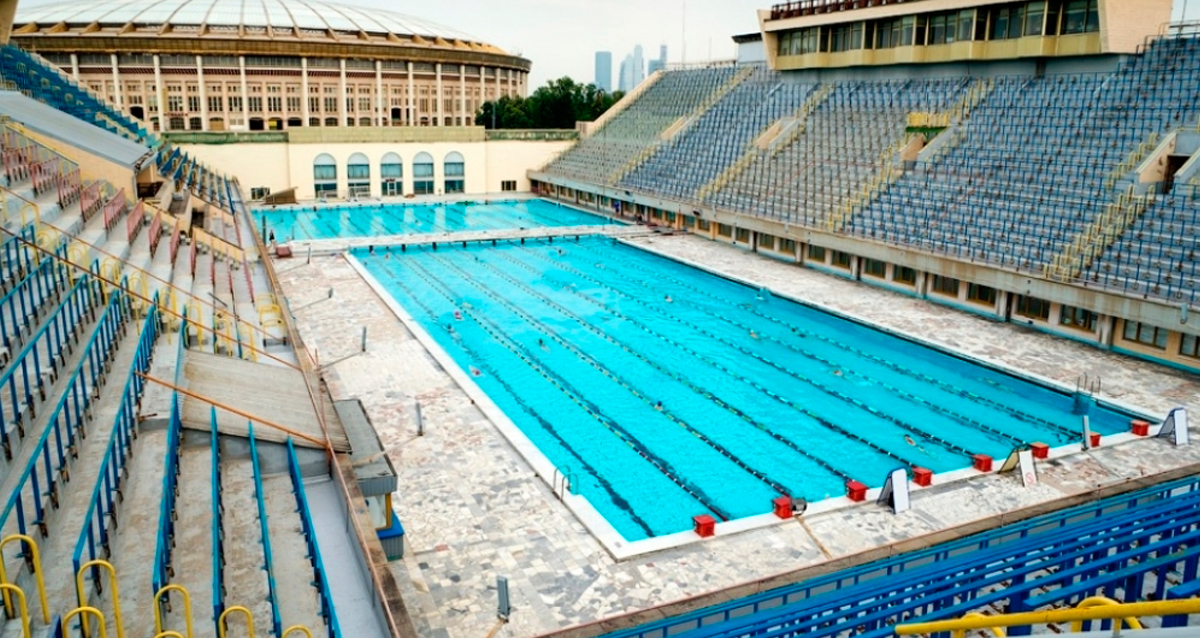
(562, 482)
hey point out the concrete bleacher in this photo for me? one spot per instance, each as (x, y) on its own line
(99, 288)
(1035, 173)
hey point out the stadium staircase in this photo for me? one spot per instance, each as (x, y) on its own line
(111, 503)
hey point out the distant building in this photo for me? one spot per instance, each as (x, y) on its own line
(604, 71)
(639, 66)
(625, 76)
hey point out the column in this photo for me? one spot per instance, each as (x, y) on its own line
(304, 89)
(342, 92)
(75, 67)
(440, 115)
(483, 97)
(380, 98)
(498, 89)
(160, 95)
(117, 83)
(462, 94)
(203, 94)
(412, 99)
(245, 92)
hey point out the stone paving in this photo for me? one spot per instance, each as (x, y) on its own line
(474, 510)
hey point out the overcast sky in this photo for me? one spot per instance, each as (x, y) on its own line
(561, 37)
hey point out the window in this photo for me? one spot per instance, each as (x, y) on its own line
(766, 242)
(325, 175)
(816, 253)
(274, 103)
(742, 235)
(725, 230)
(314, 104)
(255, 103)
(193, 103)
(175, 103)
(1081, 16)
(215, 103)
(391, 166)
(195, 124)
(944, 286)
(874, 268)
(1152, 336)
(358, 175)
(454, 170)
(703, 225)
(841, 259)
(1077, 318)
(423, 174)
(1190, 346)
(1035, 18)
(235, 103)
(904, 275)
(787, 246)
(508, 185)
(1033, 308)
(331, 105)
(293, 104)
(982, 295)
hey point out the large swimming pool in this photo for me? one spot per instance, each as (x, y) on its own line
(668, 392)
(377, 219)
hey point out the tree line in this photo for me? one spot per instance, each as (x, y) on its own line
(559, 104)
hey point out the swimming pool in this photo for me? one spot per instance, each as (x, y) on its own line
(378, 219)
(669, 392)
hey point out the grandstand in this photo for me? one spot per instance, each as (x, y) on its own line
(142, 343)
(180, 458)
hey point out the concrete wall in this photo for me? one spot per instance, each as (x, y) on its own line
(287, 165)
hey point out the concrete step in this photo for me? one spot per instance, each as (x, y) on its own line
(299, 602)
(193, 558)
(245, 574)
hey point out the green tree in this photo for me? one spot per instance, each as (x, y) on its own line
(559, 104)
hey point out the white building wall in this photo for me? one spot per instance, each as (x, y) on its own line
(282, 166)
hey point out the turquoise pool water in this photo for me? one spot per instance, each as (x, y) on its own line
(667, 392)
(373, 220)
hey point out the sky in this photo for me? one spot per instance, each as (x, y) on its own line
(561, 37)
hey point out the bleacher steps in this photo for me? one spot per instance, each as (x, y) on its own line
(299, 601)
(681, 124)
(1094, 238)
(65, 522)
(625, 102)
(193, 554)
(775, 137)
(245, 575)
(137, 519)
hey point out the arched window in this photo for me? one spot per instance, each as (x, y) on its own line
(423, 174)
(455, 172)
(391, 171)
(358, 175)
(325, 176)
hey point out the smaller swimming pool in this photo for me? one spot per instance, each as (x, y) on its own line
(378, 219)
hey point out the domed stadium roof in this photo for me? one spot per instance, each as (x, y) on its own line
(302, 19)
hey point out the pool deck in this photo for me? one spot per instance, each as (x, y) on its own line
(474, 509)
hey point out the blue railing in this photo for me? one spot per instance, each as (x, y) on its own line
(310, 538)
(1104, 545)
(48, 463)
(19, 308)
(268, 563)
(24, 382)
(218, 528)
(165, 542)
(17, 255)
(93, 538)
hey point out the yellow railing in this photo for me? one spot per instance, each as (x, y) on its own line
(880, 181)
(116, 596)
(1095, 609)
(28, 210)
(1134, 158)
(36, 560)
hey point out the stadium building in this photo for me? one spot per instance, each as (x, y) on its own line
(187, 65)
(883, 329)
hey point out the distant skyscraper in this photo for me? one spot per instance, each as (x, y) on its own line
(660, 63)
(625, 81)
(604, 71)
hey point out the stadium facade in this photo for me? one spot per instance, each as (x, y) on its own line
(286, 64)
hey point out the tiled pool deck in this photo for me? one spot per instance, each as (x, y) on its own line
(474, 510)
